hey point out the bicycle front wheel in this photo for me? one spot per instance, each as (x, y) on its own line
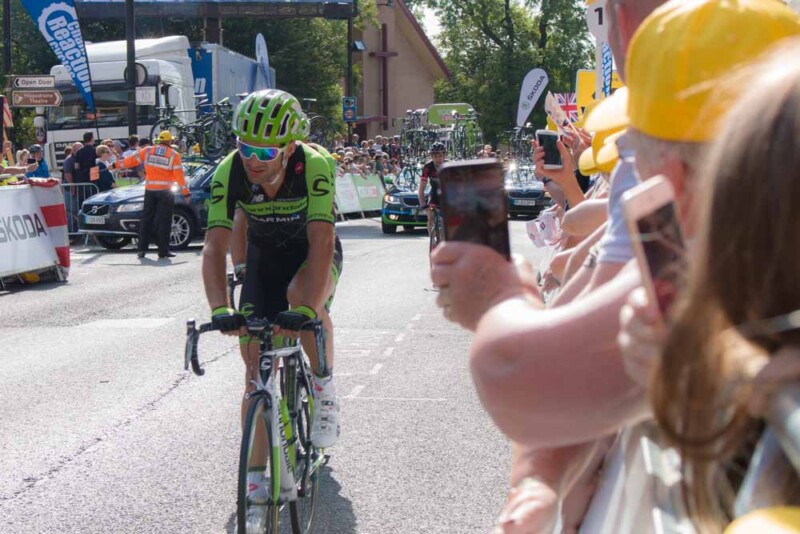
(166, 125)
(257, 515)
(309, 461)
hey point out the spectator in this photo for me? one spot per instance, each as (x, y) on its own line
(106, 179)
(353, 142)
(42, 170)
(540, 398)
(378, 146)
(742, 275)
(20, 168)
(85, 159)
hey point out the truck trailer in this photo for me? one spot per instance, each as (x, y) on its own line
(170, 71)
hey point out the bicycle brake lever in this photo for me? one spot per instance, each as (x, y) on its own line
(190, 352)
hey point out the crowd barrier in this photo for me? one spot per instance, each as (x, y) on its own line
(359, 193)
(33, 229)
(640, 488)
(74, 196)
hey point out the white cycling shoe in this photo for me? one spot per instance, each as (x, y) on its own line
(325, 426)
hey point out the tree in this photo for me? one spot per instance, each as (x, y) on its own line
(490, 45)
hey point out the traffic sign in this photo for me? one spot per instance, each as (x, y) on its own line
(34, 82)
(349, 109)
(32, 99)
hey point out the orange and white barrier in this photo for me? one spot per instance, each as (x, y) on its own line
(33, 233)
(51, 201)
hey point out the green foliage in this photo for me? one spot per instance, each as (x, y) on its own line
(309, 55)
(490, 45)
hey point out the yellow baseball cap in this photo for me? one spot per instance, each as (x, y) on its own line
(680, 57)
(607, 155)
(590, 161)
(610, 114)
(777, 520)
(166, 135)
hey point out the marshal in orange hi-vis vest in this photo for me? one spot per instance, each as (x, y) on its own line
(162, 167)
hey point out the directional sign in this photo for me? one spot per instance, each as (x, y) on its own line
(32, 99)
(34, 82)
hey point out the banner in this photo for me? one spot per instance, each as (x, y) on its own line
(262, 56)
(59, 25)
(533, 87)
(445, 114)
(585, 87)
(346, 195)
(24, 239)
(608, 67)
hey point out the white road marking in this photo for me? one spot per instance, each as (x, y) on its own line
(411, 399)
(417, 317)
(376, 369)
(388, 352)
(129, 323)
(399, 338)
(353, 353)
(356, 390)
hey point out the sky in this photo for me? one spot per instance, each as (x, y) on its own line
(431, 23)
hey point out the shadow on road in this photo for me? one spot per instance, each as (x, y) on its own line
(334, 513)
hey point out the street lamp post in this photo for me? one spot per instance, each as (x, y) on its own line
(130, 83)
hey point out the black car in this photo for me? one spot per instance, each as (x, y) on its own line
(400, 208)
(113, 217)
(526, 194)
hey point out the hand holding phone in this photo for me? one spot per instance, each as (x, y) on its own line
(655, 232)
(474, 203)
(549, 142)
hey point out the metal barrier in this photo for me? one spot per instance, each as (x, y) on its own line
(74, 196)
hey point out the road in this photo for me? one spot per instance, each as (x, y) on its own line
(103, 431)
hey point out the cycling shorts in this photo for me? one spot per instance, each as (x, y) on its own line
(269, 274)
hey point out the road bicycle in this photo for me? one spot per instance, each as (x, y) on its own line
(211, 133)
(437, 226)
(278, 420)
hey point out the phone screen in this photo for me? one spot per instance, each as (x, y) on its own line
(31, 160)
(551, 154)
(660, 236)
(474, 204)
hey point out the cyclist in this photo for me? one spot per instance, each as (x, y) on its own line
(284, 189)
(431, 172)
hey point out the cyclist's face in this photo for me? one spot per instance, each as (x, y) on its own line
(438, 158)
(268, 172)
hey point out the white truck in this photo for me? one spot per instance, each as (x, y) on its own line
(173, 72)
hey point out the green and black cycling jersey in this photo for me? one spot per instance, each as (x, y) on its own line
(278, 223)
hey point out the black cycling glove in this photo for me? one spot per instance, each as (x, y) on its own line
(227, 319)
(296, 318)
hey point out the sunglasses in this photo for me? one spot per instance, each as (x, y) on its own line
(261, 153)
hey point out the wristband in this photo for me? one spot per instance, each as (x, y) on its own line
(307, 311)
(222, 310)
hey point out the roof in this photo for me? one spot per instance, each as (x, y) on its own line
(412, 20)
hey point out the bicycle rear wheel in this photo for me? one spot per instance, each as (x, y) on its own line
(303, 510)
(216, 139)
(165, 124)
(256, 518)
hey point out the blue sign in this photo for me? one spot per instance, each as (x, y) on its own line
(349, 109)
(201, 69)
(58, 22)
(608, 66)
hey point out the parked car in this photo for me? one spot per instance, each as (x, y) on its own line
(400, 208)
(113, 217)
(525, 193)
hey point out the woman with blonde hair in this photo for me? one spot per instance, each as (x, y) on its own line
(745, 272)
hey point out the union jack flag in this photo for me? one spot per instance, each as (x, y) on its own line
(569, 103)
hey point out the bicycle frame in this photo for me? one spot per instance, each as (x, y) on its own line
(280, 420)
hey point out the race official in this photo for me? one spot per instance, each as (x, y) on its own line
(162, 168)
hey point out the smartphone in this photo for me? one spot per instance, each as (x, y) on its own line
(548, 140)
(31, 160)
(474, 203)
(652, 219)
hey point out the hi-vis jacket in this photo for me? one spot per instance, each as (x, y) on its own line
(162, 167)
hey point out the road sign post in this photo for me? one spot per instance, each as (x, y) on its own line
(33, 99)
(349, 109)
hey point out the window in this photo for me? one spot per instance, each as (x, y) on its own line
(112, 110)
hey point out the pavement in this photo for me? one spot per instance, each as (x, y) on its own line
(103, 431)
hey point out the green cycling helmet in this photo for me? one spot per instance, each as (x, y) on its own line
(270, 116)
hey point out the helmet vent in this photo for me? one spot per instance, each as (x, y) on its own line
(275, 112)
(259, 120)
(284, 126)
